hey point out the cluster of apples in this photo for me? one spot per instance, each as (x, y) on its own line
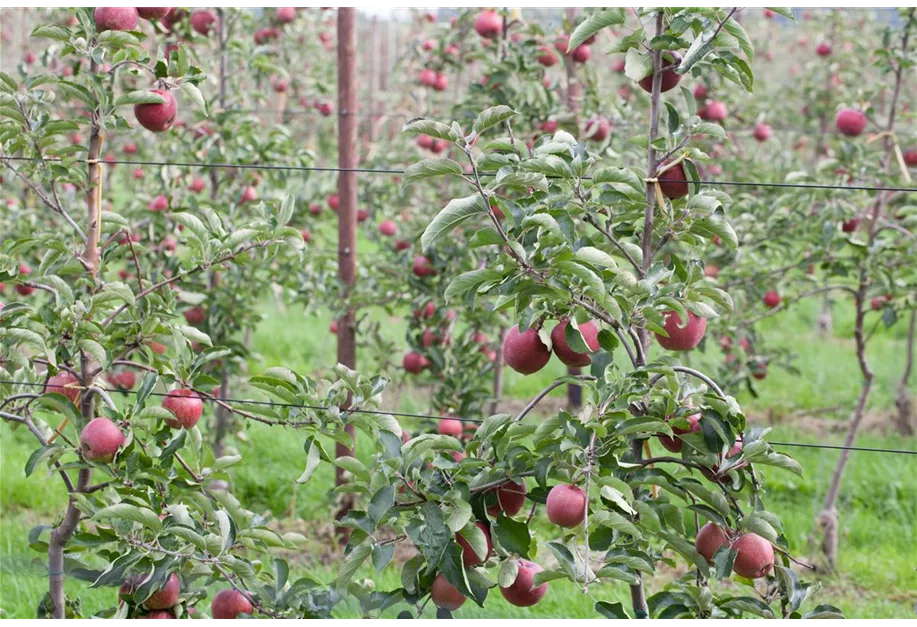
(227, 604)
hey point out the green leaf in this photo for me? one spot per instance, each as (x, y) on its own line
(512, 535)
(593, 24)
(432, 128)
(522, 180)
(227, 529)
(286, 210)
(139, 97)
(380, 504)
(52, 32)
(489, 118)
(611, 610)
(509, 570)
(95, 349)
(429, 168)
(313, 457)
(470, 281)
(637, 64)
(45, 452)
(456, 212)
(123, 511)
(191, 90)
(824, 611)
(352, 465)
(382, 555)
(784, 11)
(352, 564)
(749, 605)
(715, 225)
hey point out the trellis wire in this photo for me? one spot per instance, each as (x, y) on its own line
(376, 412)
(302, 168)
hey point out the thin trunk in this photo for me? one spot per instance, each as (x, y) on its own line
(62, 534)
(347, 216)
(828, 518)
(904, 401)
(637, 592)
(222, 417)
(498, 373)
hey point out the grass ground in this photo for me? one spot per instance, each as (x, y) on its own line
(876, 576)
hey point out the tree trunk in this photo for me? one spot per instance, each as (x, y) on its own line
(347, 216)
(904, 402)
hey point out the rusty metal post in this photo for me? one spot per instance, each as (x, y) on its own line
(347, 211)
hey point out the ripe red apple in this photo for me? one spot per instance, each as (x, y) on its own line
(21, 289)
(566, 354)
(769, 14)
(388, 228)
(877, 303)
(334, 202)
(754, 556)
(712, 271)
(428, 45)
(280, 86)
(414, 362)
(469, 557)
(123, 380)
(441, 83)
(425, 141)
(674, 444)
(762, 131)
(714, 111)
(682, 337)
(249, 194)
(849, 226)
(549, 126)
(445, 595)
(197, 185)
(700, 92)
(186, 405)
(157, 614)
(850, 122)
(525, 352)
(306, 236)
(137, 173)
(510, 499)
(581, 54)
(160, 203)
(566, 505)
(546, 56)
(324, 108)
(598, 129)
(157, 117)
(195, 315)
(202, 21)
(115, 18)
(670, 78)
(823, 49)
(285, 15)
(522, 592)
(264, 35)
(230, 603)
(362, 215)
(315, 209)
(422, 267)
(402, 245)
(709, 540)
(910, 158)
(674, 182)
(488, 24)
(450, 426)
(162, 599)
(427, 77)
(130, 149)
(771, 299)
(153, 13)
(61, 384)
(100, 440)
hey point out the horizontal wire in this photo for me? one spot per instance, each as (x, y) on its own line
(302, 168)
(429, 417)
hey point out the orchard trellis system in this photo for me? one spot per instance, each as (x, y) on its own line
(440, 509)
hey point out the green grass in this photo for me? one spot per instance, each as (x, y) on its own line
(876, 577)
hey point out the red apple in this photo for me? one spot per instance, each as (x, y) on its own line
(450, 426)
(445, 595)
(414, 362)
(306, 236)
(714, 111)
(334, 202)
(762, 131)
(488, 24)
(202, 21)
(598, 129)
(115, 18)
(249, 194)
(160, 203)
(771, 299)
(422, 267)
(581, 54)
(100, 439)
(670, 78)
(64, 383)
(546, 56)
(157, 614)
(910, 158)
(566, 505)
(850, 122)
(754, 556)
(522, 592)
(230, 603)
(510, 499)
(157, 117)
(153, 13)
(674, 182)
(709, 540)
(186, 405)
(195, 315)
(682, 337)
(388, 228)
(823, 49)
(566, 354)
(285, 15)
(469, 557)
(525, 352)
(162, 599)
(674, 444)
